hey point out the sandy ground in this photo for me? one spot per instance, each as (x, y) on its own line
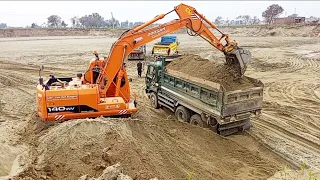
(294, 30)
(154, 144)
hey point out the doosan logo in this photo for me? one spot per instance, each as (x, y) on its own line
(156, 31)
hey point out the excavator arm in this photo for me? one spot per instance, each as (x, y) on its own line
(233, 53)
(114, 74)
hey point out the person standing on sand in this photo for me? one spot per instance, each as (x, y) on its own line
(139, 67)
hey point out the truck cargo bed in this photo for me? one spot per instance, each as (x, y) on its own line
(232, 105)
(201, 101)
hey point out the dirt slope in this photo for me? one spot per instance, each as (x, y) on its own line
(159, 148)
(298, 30)
(43, 32)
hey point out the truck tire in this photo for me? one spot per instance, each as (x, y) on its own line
(197, 120)
(182, 114)
(154, 100)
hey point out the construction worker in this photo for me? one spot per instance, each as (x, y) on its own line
(139, 68)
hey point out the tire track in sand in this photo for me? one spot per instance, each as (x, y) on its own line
(296, 99)
(290, 122)
(276, 128)
(302, 58)
(301, 63)
(294, 148)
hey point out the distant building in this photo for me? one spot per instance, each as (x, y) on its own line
(294, 18)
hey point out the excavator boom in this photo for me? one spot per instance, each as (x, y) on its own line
(190, 18)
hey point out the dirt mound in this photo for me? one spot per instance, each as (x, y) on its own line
(210, 70)
(113, 172)
(74, 147)
(274, 30)
(41, 32)
(145, 149)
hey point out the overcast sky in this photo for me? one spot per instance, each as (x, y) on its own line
(24, 13)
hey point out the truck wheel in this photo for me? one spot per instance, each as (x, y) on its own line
(154, 100)
(182, 114)
(197, 120)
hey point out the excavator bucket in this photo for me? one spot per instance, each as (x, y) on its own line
(239, 58)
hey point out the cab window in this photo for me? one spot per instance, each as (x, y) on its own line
(150, 70)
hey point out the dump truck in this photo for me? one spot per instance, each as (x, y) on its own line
(203, 103)
(168, 47)
(138, 54)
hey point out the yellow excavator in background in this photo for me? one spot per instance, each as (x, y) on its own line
(104, 89)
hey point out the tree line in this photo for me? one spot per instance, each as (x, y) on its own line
(273, 11)
(94, 20)
(3, 25)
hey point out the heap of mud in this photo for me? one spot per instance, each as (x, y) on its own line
(210, 70)
(145, 149)
(69, 149)
(113, 172)
(45, 32)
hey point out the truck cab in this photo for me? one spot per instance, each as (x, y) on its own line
(168, 47)
(138, 54)
(153, 75)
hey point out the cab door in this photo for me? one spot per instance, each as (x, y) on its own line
(151, 77)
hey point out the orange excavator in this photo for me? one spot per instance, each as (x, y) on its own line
(104, 89)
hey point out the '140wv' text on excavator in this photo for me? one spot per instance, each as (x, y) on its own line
(104, 89)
